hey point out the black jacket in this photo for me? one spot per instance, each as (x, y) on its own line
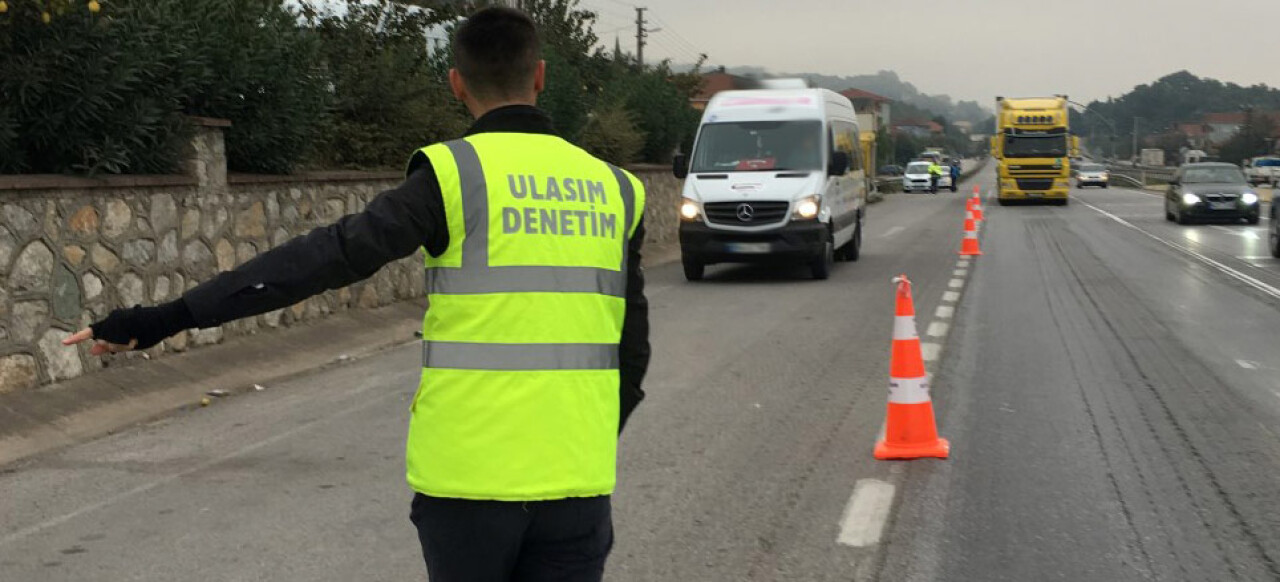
(394, 225)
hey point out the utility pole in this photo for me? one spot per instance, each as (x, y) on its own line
(641, 34)
(1135, 140)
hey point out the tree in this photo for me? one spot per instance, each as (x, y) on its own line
(1253, 139)
(389, 96)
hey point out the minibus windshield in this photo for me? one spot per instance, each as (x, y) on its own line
(757, 146)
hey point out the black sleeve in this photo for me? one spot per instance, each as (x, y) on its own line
(394, 225)
(633, 350)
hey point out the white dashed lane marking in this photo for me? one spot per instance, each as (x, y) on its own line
(944, 312)
(892, 231)
(930, 351)
(937, 329)
(867, 511)
(951, 296)
(955, 283)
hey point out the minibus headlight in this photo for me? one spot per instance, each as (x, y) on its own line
(1190, 199)
(808, 208)
(1249, 198)
(689, 210)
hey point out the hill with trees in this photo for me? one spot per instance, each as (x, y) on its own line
(1158, 107)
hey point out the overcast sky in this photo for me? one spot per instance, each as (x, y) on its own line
(970, 49)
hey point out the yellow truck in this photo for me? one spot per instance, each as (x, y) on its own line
(1033, 147)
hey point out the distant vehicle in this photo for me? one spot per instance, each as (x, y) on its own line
(916, 178)
(774, 176)
(1092, 175)
(931, 155)
(1263, 170)
(1152, 157)
(1212, 191)
(1032, 148)
(890, 170)
(1194, 157)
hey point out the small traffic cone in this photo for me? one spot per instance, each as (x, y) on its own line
(909, 431)
(975, 204)
(969, 247)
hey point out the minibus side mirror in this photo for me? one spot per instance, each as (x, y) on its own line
(839, 164)
(680, 166)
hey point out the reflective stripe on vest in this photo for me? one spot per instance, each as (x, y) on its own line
(519, 392)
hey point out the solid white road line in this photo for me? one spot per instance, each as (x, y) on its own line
(955, 283)
(867, 511)
(952, 296)
(892, 231)
(930, 351)
(937, 329)
(944, 312)
(1241, 232)
(1224, 269)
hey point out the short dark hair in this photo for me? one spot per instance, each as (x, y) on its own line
(496, 51)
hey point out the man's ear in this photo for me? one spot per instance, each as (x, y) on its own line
(540, 77)
(458, 85)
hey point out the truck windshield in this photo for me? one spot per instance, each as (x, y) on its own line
(757, 146)
(1221, 175)
(1035, 146)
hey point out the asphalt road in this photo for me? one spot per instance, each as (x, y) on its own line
(1112, 402)
(1114, 384)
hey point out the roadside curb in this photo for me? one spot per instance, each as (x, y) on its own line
(58, 415)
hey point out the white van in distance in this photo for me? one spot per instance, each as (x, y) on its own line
(775, 176)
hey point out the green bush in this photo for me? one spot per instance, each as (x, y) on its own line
(107, 92)
(89, 93)
(390, 96)
(262, 71)
(611, 135)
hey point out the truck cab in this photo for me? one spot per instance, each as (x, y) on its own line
(1033, 146)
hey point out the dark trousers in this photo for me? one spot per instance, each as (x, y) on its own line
(933, 184)
(565, 540)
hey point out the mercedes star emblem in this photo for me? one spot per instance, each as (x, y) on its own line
(745, 212)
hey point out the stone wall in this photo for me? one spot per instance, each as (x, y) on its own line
(662, 202)
(72, 249)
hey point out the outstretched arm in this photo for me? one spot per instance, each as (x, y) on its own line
(394, 225)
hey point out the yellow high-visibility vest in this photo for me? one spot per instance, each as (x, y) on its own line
(518, 399)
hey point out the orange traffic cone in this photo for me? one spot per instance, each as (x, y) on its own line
(975, 205)
(969, 247)
(909, 431)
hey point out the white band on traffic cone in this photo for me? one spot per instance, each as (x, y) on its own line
(904, 327)
(909, 390)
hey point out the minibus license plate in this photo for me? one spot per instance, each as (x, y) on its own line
(1221, 205)
(748, 248)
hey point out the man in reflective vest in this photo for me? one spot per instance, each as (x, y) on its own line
(536, 339)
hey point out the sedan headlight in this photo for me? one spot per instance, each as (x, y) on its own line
(1249, 198)
(690, 210)
(808, 208)
(1190, 199)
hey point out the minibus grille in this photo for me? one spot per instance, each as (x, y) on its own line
(752, 213)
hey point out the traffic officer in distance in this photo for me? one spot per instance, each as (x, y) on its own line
(536, 339)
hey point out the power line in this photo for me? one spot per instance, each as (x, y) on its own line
(680, 38)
